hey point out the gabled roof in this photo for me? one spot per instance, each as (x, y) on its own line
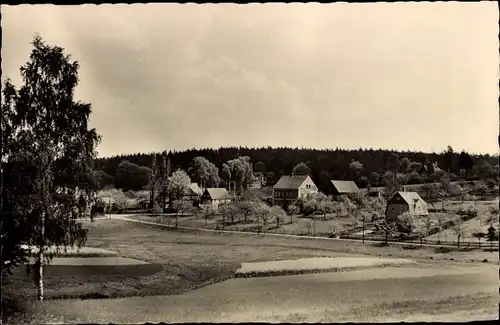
(193, 189)
(290, 182)
(345, 186)
(218, 193)
(410, 197)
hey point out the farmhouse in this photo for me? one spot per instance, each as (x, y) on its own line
(343, 187)
(402, 202)
(290, 188)
(215, 197)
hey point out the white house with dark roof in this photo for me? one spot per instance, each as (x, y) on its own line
(343, 187)
(215, 197)
(402, 202)
(290, 188)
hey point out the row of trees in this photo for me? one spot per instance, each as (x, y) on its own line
(363, 166)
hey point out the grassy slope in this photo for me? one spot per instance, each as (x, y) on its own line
(359, 295)
(190, 260)
(185, 260)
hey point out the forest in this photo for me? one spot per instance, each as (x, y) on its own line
(364, 166)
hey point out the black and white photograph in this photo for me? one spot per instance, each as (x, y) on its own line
(261, 162)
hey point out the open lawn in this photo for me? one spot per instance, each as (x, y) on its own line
(461, 292)
(183, 260)
(192, 259)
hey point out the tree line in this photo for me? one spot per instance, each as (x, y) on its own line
(367, 167)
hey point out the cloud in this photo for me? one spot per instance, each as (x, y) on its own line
(179, 76)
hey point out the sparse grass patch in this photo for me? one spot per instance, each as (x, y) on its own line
(314, 265)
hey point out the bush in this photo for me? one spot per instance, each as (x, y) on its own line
(99, 208)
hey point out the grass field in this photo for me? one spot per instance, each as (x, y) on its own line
(191, 259)
(184, 260)
(463, 293)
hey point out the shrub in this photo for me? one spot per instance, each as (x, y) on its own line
(99, 208)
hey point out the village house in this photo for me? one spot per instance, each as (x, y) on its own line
(402, 202)
(290, 188)
(215, 197)
(193, 193)
(343, 187)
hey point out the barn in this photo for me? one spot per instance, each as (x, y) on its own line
(343, 188)
(409, 202)
(214, 197)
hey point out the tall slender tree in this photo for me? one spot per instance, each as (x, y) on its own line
(153, 180)
(47, 159)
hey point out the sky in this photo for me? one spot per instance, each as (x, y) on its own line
(407, 76)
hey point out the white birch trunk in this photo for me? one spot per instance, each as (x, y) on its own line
(40, 259)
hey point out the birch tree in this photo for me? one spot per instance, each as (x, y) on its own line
(47, 158)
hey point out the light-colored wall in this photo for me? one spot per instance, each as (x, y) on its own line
(308, 187)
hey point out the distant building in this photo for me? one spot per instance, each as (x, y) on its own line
(290, 188)
(214, 197)
(193, 193)
(402, 202)
(193, 190)
(343, 187)
(258, 180)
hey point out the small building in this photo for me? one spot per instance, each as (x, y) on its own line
(193, 193)
(343, 187)
(289, 188)
(214, 197)
(402, 202)
(195, 189)
(374, 193)
(258, 180)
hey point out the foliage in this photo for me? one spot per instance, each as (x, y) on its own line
(248, 208)
(130, 176)
(492, 233)
(178, 183)
(459, 229)
(388, 228)
(301, 169)
(278, 214)
(293, 209)
(121, 202)
(47, 157)
(325, 165)
(406, 224)
(479, 234)
(240, 172)
(182, 206)
(204, 172)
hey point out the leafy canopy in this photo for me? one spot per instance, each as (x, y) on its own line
(47, 156)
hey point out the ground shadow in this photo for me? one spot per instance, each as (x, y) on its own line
(381, 244)
(443, 249)
(102, 270)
